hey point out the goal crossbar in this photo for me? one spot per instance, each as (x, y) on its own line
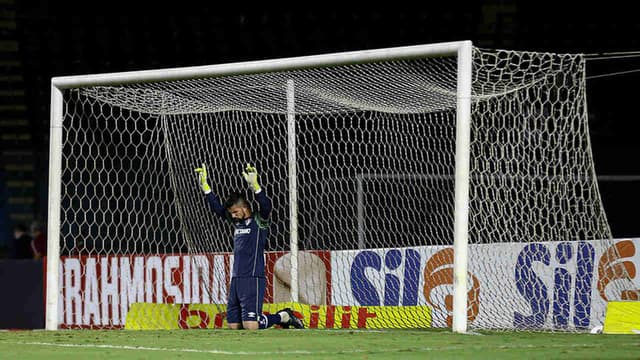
(252, 67)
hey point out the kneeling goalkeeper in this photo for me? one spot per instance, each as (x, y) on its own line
(246, 292)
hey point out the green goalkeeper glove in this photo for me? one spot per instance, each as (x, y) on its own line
(251, 176)
(202, 178)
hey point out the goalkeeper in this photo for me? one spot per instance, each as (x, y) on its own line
(246, 293)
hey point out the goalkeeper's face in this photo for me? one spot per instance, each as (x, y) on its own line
(239, 212)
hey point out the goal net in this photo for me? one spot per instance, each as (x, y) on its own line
(359, 159)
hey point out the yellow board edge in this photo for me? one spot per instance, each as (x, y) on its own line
(622, 317)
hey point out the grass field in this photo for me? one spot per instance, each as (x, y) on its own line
(312, 344)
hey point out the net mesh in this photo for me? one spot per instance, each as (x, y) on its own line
(375, 147)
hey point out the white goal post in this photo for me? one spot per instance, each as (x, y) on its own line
(428, 148)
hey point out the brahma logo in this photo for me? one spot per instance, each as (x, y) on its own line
(611, 268)
(439, 271)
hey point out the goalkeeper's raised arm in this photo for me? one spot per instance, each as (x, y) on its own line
(251, 176)
(212, 198)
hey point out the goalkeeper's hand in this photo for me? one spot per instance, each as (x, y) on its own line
(251, 176)
(202, 179)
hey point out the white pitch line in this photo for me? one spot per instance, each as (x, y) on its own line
(186, 350)
(307, 352)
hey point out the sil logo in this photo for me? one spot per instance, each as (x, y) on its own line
(612, 267)
(403, 289)
(439, 271)
(568, 301)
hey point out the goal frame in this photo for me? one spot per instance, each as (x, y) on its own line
(463, 50)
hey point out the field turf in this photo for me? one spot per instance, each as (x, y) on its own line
(312, 344)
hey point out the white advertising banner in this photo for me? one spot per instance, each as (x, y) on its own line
(546, 285)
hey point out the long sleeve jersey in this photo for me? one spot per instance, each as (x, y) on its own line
(249, 236)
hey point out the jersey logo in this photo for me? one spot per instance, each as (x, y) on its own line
(251, 314)
(242, 231)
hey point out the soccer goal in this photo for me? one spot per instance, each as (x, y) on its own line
(440, 176)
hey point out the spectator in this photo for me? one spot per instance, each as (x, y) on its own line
(21, 246)
(39, 242)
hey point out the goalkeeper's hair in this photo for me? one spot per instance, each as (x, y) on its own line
(237, 198)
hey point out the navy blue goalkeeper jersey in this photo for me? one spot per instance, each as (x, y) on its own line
(249, 236)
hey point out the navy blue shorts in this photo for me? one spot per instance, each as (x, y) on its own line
(245, 299)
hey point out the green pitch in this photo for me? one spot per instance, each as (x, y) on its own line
(312, 344)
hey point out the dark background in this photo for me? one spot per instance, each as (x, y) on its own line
(40, 39)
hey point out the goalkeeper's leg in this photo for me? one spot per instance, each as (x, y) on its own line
(268, 320)
(233, 307)
(251, 294)
(284, 318)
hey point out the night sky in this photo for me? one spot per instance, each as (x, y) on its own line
(96, 37)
